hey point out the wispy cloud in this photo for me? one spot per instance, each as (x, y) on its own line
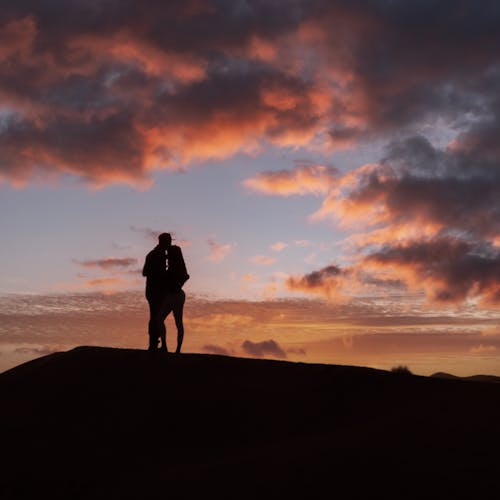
(374, 332)
(263, 260)
(311, 179)
(108, 262)
(219, 251)
(278, 246)
(150, 234)
(483, 349)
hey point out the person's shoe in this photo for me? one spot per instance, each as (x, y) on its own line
(163, 348)
(153, 346)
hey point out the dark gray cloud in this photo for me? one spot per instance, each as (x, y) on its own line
(216, 349)
(457, 269)
(325, 281)
(264, 348)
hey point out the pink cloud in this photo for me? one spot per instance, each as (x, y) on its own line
(263, 260)
(278, 246)
(218, 252)
(109, 262)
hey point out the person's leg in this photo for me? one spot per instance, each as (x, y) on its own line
(155, 324)
(165, 311)
(152, 326)
(178, 312)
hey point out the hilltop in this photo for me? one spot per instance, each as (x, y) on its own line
(96, 423)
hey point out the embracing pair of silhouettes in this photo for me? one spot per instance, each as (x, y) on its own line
(166, 273)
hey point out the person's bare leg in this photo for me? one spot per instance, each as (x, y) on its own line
(163, 329)
(178, 311)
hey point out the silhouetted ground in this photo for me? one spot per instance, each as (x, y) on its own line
(472, 378)
(102, 423)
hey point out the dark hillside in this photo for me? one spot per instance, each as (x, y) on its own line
(101, 423)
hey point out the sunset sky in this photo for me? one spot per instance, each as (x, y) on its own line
(331, 170)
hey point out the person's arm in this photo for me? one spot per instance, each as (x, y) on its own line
(181, 274)
(185, 275)
(146, 270)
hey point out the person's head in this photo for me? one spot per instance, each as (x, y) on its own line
(164, 240)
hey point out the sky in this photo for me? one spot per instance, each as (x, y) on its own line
(331, 170)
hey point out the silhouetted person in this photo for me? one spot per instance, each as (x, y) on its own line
(174, 297)
(155, 270)
(164, 290)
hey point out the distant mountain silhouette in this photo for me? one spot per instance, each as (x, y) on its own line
(472, 378)
(102, 423)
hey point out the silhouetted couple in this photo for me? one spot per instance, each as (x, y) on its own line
(164, 290)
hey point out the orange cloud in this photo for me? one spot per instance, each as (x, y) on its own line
(249, 278)
(482, 349)
(424, 217)
(192, 81)
(312, 179)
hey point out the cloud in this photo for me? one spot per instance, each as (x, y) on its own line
(369, 331)
(326, 282)
(218, 252)
(450, 269)
(264, 348)
(150, 234)
(109, 262)
(311, 179)
(37, 350)
(215, 349)
(296, 350)
(302, 243)
(249, 278)
(218, 321)
(278, 246)
(482, 349)
(120, 90)
(106, 284)
(263, 260)
(310, 258)
(424, 216)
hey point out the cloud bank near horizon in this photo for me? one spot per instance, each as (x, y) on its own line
(110, 92)
(366, 332)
